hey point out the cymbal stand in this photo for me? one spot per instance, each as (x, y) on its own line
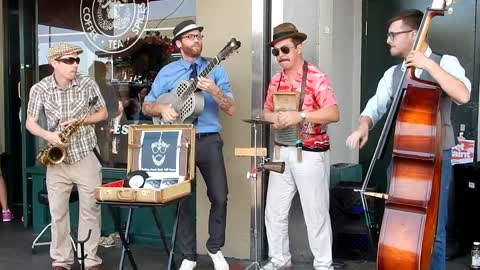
(264, 165)
(252, 175)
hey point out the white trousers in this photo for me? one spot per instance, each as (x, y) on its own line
(311, 177)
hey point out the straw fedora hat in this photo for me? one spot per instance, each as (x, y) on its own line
(286, 30)
(184, 27)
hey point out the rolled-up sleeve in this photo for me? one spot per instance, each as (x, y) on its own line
(35, 103)
(378, 105)
(158, 87)
(451, 65)
(221, 80)
(324, 94)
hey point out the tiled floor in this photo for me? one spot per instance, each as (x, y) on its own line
(16, 254)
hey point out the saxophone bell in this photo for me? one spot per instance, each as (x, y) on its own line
(56, 154)
(51, 155)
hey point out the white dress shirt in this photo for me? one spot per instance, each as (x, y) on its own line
(378, 105)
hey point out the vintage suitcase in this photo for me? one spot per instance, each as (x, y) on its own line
(151, 148)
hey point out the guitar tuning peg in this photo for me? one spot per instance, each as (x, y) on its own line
(450, 2)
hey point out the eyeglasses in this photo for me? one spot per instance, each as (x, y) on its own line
(69, 60)
(285, 50)
(392, 35)
(192, 37)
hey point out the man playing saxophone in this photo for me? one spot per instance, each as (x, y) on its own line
(64, 98)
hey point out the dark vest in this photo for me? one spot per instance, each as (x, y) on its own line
(445, 102)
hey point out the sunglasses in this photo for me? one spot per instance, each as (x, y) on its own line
(69, 60)
(285, 50)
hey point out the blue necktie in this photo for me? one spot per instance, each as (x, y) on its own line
(193, 74)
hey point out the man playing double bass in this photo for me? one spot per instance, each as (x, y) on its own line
(444, 70)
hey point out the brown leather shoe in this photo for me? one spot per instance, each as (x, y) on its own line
(59, 268)
(95, 267)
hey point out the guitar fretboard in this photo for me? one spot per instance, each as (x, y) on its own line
(204, 73)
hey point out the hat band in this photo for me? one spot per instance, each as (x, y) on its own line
(282, 34)
(188, 28)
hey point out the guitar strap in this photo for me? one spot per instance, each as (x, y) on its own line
(300, 105)
(298, 143)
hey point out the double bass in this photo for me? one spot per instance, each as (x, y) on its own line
(409, 222)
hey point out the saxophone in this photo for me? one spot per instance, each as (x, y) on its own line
(55, 153)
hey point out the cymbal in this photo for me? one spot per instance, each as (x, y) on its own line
(257, 121)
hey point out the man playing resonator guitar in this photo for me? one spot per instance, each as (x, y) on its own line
(208, 153)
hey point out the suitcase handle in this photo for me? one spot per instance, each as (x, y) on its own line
(127, 195)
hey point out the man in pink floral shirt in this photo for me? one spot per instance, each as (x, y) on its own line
(307, 172)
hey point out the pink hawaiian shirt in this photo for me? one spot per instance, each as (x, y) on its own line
(318, 94)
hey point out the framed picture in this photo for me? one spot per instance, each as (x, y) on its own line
(165, 152)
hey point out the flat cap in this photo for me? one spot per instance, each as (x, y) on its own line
(61, 49)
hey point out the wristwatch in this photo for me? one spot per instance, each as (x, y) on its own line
(303, 115)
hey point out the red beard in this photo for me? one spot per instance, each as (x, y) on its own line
(194, 51)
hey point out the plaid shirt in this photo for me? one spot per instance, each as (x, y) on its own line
(61, 105)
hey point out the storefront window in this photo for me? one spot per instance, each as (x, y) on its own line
(125, 44)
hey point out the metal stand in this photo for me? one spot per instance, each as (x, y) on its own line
(264, 165)
(253, 176)
(114, 209)
(37, 242)
(81, 250)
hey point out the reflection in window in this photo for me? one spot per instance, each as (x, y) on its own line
(124, 76)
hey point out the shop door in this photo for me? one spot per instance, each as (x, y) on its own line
(17, 16)
(26, 56)
(11, 158)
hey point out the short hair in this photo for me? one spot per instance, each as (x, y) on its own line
(410, 17)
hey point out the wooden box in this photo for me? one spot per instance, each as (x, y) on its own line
(143, 144)
(285, 101)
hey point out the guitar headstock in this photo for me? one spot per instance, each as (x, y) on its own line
(442, 4)
(231, 47)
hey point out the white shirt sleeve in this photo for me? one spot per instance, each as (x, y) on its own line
(378, 105)
(451, 65)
